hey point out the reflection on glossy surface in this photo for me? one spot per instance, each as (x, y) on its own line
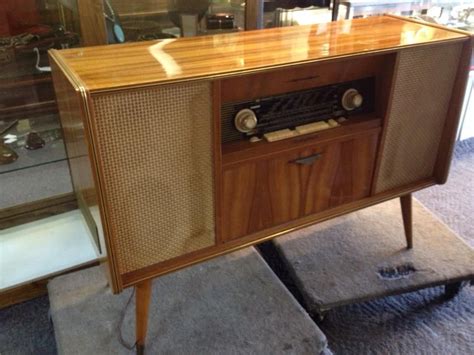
(106, 67)
(422, 35)
(170, 67)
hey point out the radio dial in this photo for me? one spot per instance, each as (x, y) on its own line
(245, 121)
(352, 99)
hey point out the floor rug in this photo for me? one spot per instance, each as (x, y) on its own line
(230, 305)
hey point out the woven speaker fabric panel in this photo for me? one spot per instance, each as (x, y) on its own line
(155, 145)
(416, 119)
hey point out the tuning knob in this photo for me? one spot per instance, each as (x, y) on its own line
(245, 121)
(352, 100)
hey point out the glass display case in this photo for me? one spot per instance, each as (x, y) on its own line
(32, 157)
(29, 28)
(35, 181)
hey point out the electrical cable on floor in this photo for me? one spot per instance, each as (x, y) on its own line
(120, 324)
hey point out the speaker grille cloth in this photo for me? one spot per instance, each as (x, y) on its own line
(421, 97)
(155, 146)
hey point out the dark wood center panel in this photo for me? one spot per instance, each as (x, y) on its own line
(263, 193)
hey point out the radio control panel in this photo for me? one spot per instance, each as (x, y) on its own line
(301, 112)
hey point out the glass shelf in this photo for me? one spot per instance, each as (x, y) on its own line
(147, 20)
(48, 129)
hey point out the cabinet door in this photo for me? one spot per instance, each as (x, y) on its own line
(267, 192)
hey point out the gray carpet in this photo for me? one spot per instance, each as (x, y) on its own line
(453, 202)
(233, 304)
(363, 255)
(416, 323)
(25, 329)
(355, 329)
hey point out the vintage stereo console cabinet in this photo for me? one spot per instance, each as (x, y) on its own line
(184, 149)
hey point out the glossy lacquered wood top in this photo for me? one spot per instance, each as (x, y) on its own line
(144, 63)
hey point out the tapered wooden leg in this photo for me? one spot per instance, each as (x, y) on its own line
(405, 202)
(142, 299)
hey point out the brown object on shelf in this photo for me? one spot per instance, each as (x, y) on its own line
(34, 141)
(7, 155)
(193, 197)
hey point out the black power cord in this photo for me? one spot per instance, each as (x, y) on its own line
(120, 324)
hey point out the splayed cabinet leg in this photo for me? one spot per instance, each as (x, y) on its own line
(143, 296)
(406, 203)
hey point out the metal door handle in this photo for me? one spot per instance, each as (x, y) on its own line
(307, 160)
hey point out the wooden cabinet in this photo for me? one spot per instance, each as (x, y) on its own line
(263, 193)
(255, 190)
(153, 198)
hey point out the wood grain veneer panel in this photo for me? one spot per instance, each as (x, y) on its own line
(23, 293)
(253, 14)
(250, 87)
(116, 66)
(91, 17)
(268, 192)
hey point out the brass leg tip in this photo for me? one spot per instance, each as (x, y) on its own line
(140, 349)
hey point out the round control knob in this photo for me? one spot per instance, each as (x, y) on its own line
(245, 121)
(352, 100)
